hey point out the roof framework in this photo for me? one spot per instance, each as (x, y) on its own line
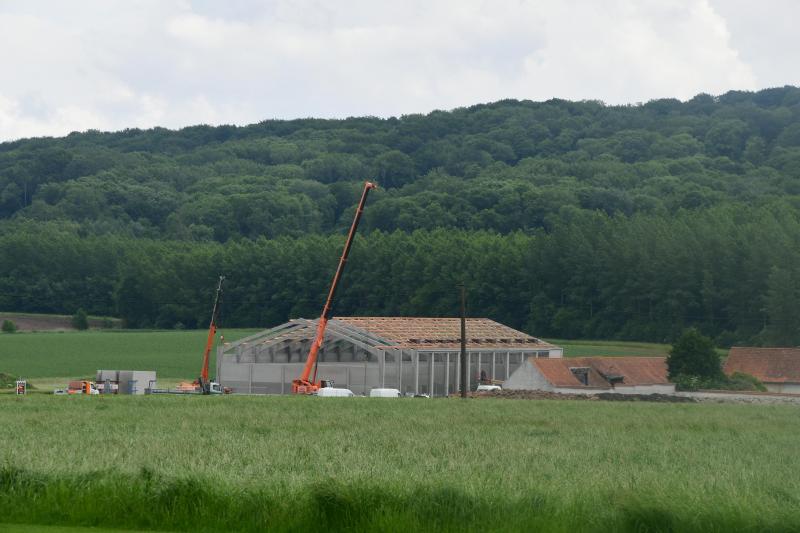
(412, 354)
(375, 335)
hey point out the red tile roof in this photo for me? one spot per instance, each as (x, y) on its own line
(634, 370)
(770, 365)
(445, 333)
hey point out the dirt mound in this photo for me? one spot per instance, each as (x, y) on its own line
(605, 396)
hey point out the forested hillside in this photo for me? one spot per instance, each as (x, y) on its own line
(566, 218)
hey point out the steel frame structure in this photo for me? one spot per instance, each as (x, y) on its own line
(266, 362)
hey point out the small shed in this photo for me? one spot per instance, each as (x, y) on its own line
(591, 375)
(126, 381)
(777, 368)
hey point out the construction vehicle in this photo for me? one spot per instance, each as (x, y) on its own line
(82, 387)
(306, 384)
(203, 385)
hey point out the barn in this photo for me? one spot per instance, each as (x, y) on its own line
(414, 355)
(592, 375)
(777, 368)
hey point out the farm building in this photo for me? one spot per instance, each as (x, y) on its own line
(777, 368)
(414, 355)
(590, 375)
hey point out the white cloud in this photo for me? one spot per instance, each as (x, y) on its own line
(114, 64)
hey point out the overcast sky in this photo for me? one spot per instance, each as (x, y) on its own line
(103, 64)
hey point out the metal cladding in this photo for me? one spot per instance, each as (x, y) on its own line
(414, 355)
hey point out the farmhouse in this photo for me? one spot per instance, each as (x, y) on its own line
(414, 355)
(590, 375)
(777, 368)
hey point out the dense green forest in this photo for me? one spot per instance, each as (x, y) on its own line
(574, 219)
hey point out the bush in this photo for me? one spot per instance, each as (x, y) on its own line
(738, 381)
(80, 320)
(742, 381)
(9, 326)
(694, 355)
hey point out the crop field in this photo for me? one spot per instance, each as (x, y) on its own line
(592, 348)
(173, 354)
(360, 464)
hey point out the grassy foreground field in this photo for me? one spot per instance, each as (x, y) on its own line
(359, 464)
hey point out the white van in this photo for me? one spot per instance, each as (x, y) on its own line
(330, 392)
(384, 393)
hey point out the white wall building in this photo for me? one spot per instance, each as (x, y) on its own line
(413, 355)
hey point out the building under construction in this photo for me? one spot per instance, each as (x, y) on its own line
(414, 355)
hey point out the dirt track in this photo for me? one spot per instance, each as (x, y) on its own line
(543, 395)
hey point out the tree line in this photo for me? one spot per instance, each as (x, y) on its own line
(733, 271)
(500, 167)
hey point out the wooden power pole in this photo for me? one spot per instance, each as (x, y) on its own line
(463, 341)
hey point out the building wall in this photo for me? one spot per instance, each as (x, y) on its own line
(667, 388)
(435, 375)
(581, 390)
(786, 388)
(135, 381)
(527, 377)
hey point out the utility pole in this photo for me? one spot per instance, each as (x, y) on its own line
(463, 340)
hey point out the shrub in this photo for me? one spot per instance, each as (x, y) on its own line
(738, 381)
(80, 320)
(742, 381)
(9, 326)
(693, 355)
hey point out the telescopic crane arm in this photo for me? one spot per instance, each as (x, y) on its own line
(212, 330)
(305, 384)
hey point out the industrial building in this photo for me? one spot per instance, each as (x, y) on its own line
(414, 355)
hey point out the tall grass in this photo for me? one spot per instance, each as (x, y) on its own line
(292, 464)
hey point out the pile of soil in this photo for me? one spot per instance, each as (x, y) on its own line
(605, 396)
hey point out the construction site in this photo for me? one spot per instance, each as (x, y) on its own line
(414, 355)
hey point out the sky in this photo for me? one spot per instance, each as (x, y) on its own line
(110, 65)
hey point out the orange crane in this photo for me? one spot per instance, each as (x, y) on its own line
(203, 383)
(305, 384)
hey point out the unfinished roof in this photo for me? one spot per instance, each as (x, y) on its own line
(770, 365)
(445, 333)
(393, 333)
(602, 371)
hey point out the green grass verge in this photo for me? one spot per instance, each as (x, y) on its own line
(173, 354)
(360, 464)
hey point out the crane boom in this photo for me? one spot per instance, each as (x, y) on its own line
(212, 330)
(305, 385)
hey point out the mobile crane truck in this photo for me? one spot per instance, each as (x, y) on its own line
(305, 384)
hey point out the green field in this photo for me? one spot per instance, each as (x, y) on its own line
(589, 348)
(49, 358)
(360, 464)
(173, 354)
